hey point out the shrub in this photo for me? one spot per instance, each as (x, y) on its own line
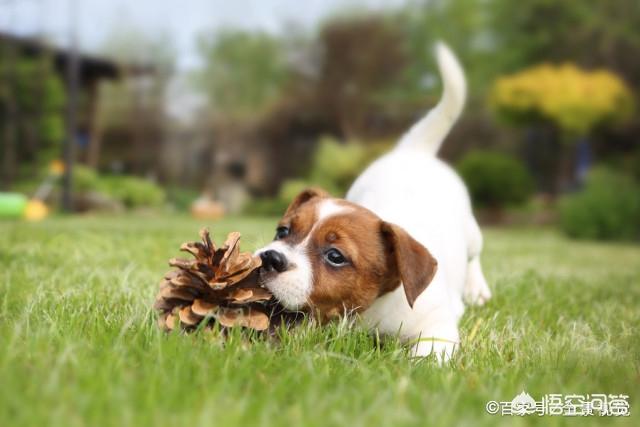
(291, 188)
(266, 207)
(181, 198)
(608, 208)
(336, 165)
(495, 179)
(576, 100)
(133, 192)
(85, 179)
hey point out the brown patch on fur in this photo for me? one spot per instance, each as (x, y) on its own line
(302, 214)
(366, 275)
(415, 264)
(304, 197)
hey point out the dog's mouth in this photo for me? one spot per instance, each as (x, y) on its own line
(281, 313)
(265, 276)
(283, 286)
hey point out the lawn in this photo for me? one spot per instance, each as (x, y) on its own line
(79, 344)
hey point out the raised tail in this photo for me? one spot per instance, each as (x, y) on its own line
(428, 134)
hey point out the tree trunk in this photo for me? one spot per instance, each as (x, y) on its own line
(9, 154)
(95, 130)
(11, 108)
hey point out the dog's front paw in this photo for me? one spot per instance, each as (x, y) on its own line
(441, 348)
(476, 290)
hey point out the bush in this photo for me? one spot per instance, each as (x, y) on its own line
(608, 208)
(276, 206)
(132, 192)
(85, 179)
(495, 179)
(576, 100)
(266, 207)
(291, 188)
(336, 165)
(182, 198)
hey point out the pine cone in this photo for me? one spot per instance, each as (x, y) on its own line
(220, 284)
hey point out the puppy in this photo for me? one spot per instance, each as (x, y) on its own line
(403, 249)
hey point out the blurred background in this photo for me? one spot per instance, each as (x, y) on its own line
(217, 108)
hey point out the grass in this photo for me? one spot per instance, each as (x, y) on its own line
(79, 345)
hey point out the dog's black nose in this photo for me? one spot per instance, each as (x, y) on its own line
(273, 260)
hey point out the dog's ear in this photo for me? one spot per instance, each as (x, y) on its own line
(304, 197)
(413, 262)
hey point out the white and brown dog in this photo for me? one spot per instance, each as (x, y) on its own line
(403, 249)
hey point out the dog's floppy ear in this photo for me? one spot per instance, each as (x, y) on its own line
(304, 197)
(415, 265)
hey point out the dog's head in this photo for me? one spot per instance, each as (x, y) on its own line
(332, 256)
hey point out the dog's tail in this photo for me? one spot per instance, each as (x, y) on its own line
(431, 130)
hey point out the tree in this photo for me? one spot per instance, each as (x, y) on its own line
(591, 33)
(32, 100)
(362, 57)
(133, 107)
(244, 72)
(459, 23)
(575, 100)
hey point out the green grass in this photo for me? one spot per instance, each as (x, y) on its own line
(79, 345)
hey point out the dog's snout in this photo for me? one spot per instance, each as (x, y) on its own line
(273, 260)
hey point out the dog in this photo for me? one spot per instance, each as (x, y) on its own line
(402, 250)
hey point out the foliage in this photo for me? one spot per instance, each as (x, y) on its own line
(362, 56)
(574, 99)
(85, 179)
(336, 165)
(133, 109)
(37, 93)
(181, 198)
(131, 191)
(607, 208)
(244, 72)
(587, 32)
(291, 188)
(266, 207)
(495, 179)
(462, 24)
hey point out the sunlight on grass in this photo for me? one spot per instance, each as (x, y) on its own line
(79, 345)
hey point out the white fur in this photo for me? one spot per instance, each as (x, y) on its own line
(293, 287)
(412, 188)
(328, 208)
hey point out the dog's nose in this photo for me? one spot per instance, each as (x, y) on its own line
(273, 260)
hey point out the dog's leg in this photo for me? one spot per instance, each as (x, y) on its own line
(440, 338)
(476, 290)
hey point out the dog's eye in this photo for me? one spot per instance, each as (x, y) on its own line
(281, 233)
(335, 258)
